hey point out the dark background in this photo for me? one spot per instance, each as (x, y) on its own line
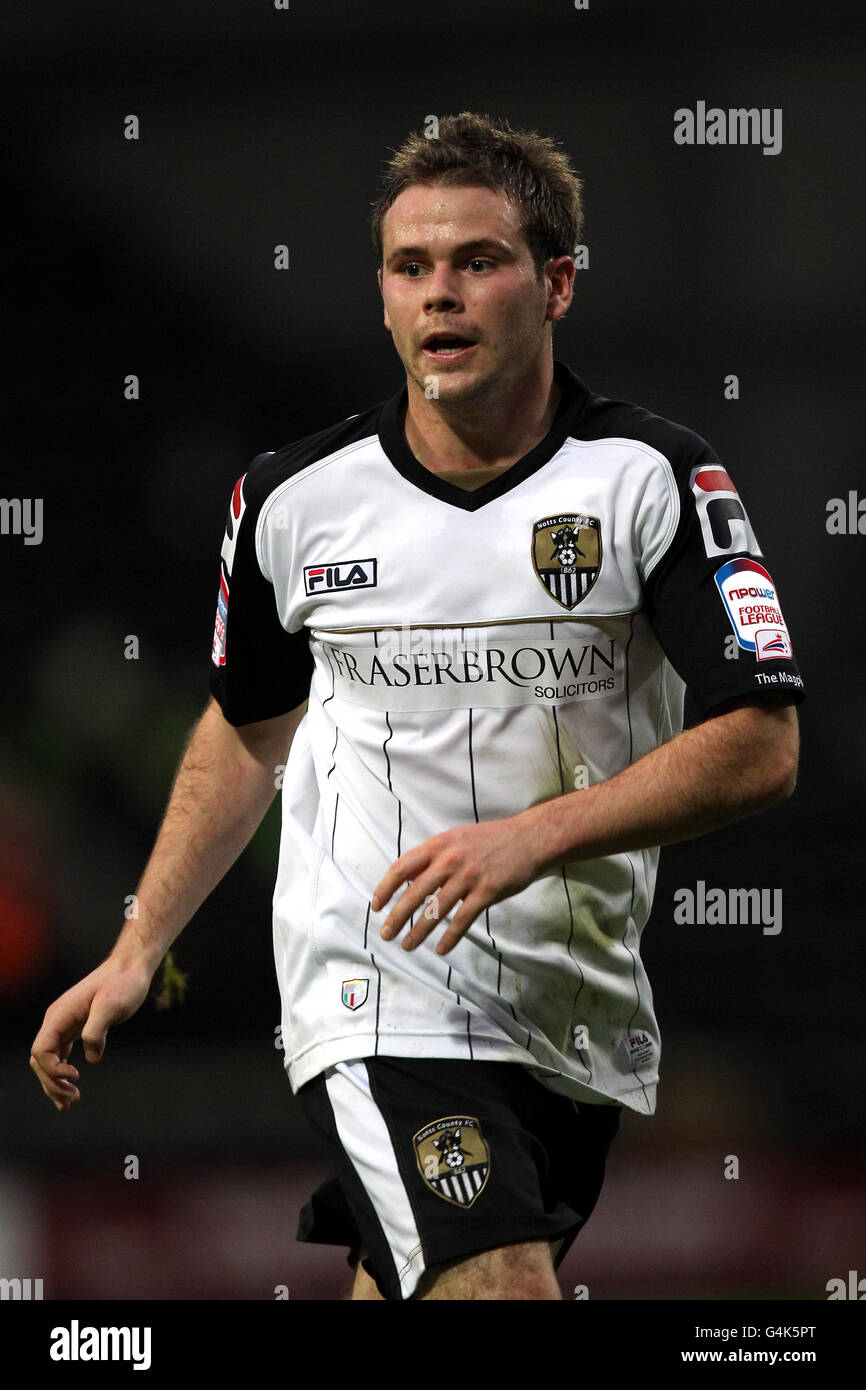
(260, 127)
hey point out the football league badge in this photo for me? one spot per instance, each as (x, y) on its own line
(453, 1158)
(355, 993)
(566, 555)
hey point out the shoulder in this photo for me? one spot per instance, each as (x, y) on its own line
(607, 418)
(593, 417)
(270, 470)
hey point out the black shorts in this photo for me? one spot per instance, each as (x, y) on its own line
(437, 1160)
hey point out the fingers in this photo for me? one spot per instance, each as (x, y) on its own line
(403, 870)
(52, 1045)
(48, 1060)
(471, 865)
(425, 868)
(109, 995)
(93, 1041)
(422, 893)
(439, 877)
(431, 901)
(55, 1076)
(432, 898)
(472, 906)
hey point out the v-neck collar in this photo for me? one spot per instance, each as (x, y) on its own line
(573, 399)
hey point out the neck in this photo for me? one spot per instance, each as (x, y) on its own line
(493, 429)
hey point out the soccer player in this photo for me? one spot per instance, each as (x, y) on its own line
(466, 619)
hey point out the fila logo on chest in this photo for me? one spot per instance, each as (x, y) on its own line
(342, 574)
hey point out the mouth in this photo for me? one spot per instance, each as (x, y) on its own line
(447, 347)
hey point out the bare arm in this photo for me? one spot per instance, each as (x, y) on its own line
(736, 763)
(224, 785)
(731, 766)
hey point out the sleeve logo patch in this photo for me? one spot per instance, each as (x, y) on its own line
(724, 524)
(218, 651)
(237, 507)
(772, 642)
(752, 604)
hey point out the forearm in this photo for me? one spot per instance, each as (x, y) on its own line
(223, 787)
(726, 768)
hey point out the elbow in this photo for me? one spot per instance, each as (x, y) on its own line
(779, 780)
(767, 751)
(783, 783)
(771, 749)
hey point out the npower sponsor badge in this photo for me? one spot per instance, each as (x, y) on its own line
(749, 595)
(218, 651)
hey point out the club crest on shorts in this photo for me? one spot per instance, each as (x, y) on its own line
(566, 555)
(453, 1158)
(355, 993)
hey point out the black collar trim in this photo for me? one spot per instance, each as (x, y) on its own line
(573, 401)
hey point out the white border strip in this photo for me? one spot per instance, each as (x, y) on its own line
(365, 1138)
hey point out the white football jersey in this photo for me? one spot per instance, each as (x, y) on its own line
(467, 654)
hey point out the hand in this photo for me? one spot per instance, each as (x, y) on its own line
(480, 864)
(109, 995)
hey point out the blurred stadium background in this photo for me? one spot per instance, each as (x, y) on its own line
(155, 257)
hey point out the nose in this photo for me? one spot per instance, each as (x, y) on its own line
(442, 289)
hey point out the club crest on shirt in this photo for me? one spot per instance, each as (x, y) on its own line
(453, 1158)
(566, 555)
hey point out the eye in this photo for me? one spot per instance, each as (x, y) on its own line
(410, 265)
(479, 260)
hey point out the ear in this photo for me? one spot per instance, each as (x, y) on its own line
(560, 273)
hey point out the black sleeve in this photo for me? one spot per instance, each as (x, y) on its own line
(711, 600)
(258, 670)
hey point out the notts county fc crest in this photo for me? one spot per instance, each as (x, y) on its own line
(453, 1158)
(566, 555)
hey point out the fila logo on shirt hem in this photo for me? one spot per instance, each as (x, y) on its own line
(342, 574)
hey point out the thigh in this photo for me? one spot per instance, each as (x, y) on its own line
(505, 1273)
(576, 1145)
(440, 1163)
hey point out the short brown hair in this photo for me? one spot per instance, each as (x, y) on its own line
(472, 149)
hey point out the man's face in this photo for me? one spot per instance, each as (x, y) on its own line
(462, 298)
